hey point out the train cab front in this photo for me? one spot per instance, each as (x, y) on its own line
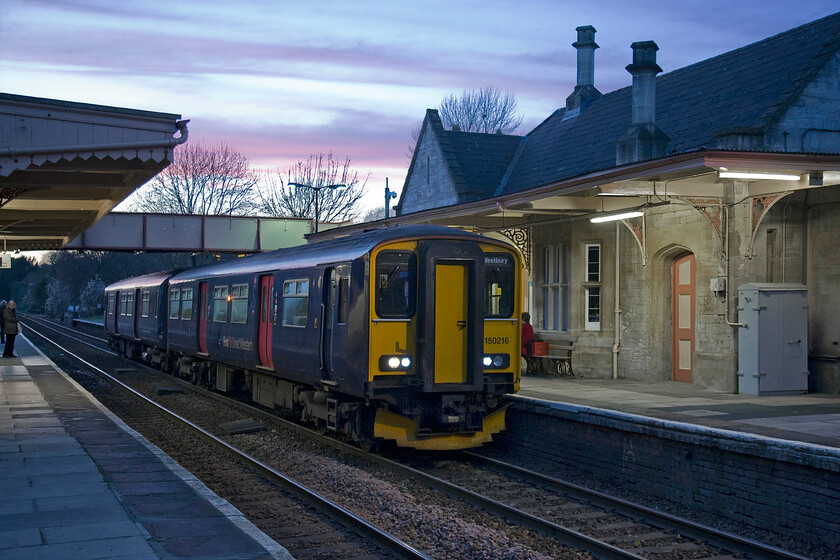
(444, 336)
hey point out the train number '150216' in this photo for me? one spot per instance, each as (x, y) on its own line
(490, 340)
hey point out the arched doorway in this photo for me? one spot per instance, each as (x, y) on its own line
(682, 301)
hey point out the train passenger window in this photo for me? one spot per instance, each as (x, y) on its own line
(174, 303)
(186, 303)
(112, 304)
(396, 284)
(129, 305)
(145, 303)
(499, 284)
(220, 304)
(343, 304)
(239, 303)
(295, 303)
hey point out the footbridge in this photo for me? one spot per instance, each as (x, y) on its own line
(118, 231)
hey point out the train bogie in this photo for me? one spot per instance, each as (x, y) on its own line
(409, 334)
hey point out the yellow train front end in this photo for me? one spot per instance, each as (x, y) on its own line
(444, 339)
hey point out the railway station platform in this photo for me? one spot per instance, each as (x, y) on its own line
(76, 482)
(810, 419)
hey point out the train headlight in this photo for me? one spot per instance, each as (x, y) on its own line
(395, 363)
(496, 361)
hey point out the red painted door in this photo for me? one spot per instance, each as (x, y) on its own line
(266, 299)
(118, 308)
(682, 295)
(137, 307)
(202, 317)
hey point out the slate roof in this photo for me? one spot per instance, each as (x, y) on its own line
(476, 161)
(746, 88)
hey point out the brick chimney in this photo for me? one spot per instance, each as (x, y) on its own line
(585, 89)
(643, 140)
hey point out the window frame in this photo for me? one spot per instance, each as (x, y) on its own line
(174, 297)
(145, 303)
(503, 301)
(592, 287)
(186, 312)
(127, 304)
(343, 306)
(554, 286)
(384, 294)
(298, 295)
(220, 310)
(238, 297)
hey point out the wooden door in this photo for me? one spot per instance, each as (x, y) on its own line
(682, 296)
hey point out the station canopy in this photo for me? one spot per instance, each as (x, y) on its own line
(64, 165)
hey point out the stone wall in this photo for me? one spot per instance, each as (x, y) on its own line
(774, 485)
(429, 184)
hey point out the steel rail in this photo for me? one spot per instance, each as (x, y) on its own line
(697, 531)
(382, 538)
(688, 528)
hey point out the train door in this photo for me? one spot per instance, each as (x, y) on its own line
(117, 309)
(683, 318)
(137, 306)
(328, 318)
(264, 335)
(453, 322)
(202, 317)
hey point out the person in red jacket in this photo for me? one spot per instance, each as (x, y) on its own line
(527, 334)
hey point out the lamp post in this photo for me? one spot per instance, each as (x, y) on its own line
(317, 189)
(389, 194)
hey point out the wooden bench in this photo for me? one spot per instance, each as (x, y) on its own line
(557, 362)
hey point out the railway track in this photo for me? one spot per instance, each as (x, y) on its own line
(331, 532)
(577, 517)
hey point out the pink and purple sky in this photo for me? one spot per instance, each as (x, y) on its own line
(280, 80)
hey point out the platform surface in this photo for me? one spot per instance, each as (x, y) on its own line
(810, 418)
(77, 483)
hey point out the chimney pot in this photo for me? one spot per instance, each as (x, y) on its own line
(644, 70)
(643, 140)
(644, 54)
(585, 89)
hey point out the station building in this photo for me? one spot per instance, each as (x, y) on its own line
(731, 169)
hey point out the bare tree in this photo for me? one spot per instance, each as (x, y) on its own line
(211, 180)
(319, 171)
(487, 110)
(483, 110)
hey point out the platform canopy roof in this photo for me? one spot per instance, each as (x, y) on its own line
(64, 165)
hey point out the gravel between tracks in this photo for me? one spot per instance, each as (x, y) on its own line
(441, 527)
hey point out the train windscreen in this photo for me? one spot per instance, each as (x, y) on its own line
(499, 285)
(396, 284)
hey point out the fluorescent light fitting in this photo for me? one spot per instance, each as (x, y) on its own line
(614, 217)
(756, 176)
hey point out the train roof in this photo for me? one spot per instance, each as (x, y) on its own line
(326, 252)
(145, 281)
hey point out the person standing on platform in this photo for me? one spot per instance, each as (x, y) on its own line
(527, 334)
(3, 306)
(10, 329)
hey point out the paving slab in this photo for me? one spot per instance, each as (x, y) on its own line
(79, 483)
